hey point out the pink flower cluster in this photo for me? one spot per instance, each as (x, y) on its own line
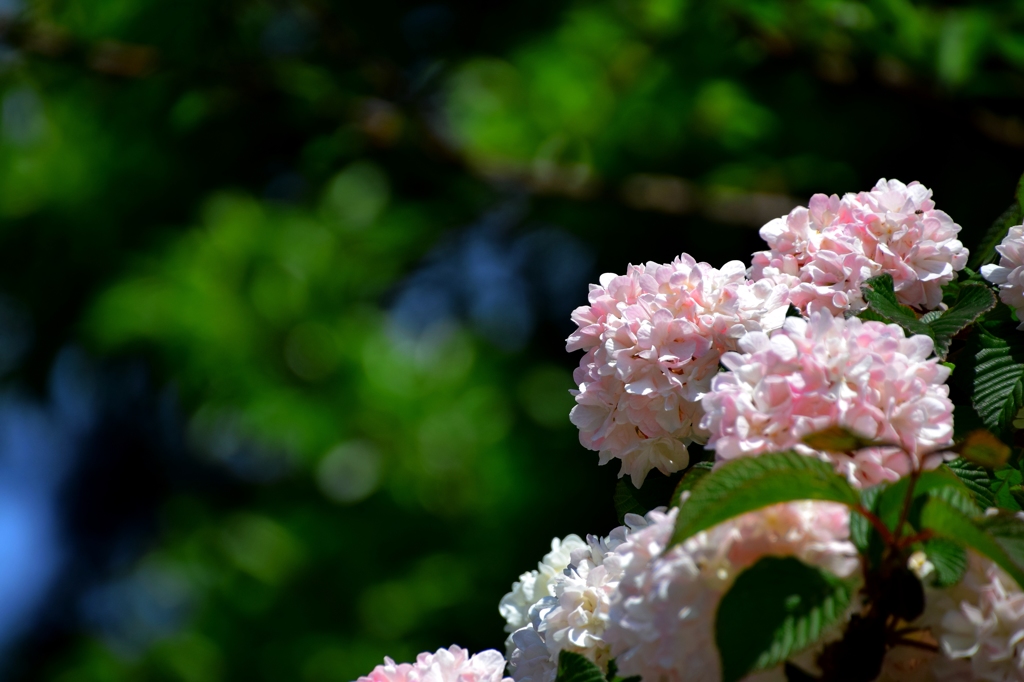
(653, 339)
(1009, 274)
(444, 665)
(661, 619)
(825, 252)
(813, 374)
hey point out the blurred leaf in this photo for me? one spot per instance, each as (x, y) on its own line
(750, 483)
(983, 448)
(1000, 539)
(949, 560)
(837, 439)
(774, 609)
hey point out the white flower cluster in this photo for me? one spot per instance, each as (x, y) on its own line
(979, 625)
(571, 611)
(453, 664)
(625, 597)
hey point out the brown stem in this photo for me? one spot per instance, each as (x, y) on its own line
(923, 536)
(916, 644)
(877, 523)
(905, 512)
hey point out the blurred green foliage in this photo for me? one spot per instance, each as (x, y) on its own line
(234, 191)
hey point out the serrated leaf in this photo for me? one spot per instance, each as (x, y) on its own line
(949, 560)
(776, 608)
(1008, 531)
(997, 372)
(889, 507)
(1009, 478)
(693, 476)
(976, 479)
(573, 667)
(986, 251)
(750, 483)
(881, 299)
(972, 301)
(613, 674)
(947, 522)
(983, 448)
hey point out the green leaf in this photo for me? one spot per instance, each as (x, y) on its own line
(996, 368)
(945, 521)
(881, 298)
(861, 529)
(949, 560)
(573, 667)
(986, 251)
(976, 479)
(776, 608)
(972, 301)
(1008, 531)
(751, 483)
(693, 476)
(613, 674)
(1008, 479)
(890, 503)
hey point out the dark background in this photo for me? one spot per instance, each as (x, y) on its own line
(284, 286)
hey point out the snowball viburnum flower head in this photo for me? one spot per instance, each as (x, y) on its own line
(444, 665)
(574, 618)
(661, 619)
(821, 372)
(653, 338)
(533, 586)
(826, 251)
(1009, 274)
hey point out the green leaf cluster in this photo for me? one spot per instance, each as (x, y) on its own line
(972, 300)
(781, 606)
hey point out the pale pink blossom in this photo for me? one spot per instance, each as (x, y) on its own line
(825, 252)
(661, 619)
(1009, 274)
(979, 624)
(444, 665)
(653, 339)
(818, 373)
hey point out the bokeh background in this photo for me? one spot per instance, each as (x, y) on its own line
(284, 286)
